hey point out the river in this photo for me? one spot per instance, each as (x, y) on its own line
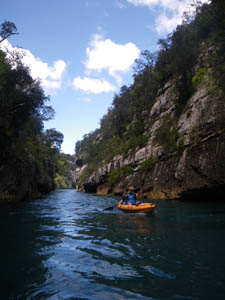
(67, 246)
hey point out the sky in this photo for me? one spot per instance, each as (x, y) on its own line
(84, 51)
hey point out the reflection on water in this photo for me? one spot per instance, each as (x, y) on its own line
(66, 246)
(141, 224)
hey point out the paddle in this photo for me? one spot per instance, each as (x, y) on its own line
(111, 207)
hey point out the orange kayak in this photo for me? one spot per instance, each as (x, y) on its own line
(142, 208)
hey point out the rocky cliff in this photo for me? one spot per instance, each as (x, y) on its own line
(165, 133)
(194, 165)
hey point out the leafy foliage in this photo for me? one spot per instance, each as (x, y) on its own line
(133, 143)
(62, 177)
(116, 174)
(28, 154)
(199, 76)
(149, 163)
(7, 29)
(168, 136)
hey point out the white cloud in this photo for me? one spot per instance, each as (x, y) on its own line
(104, 54)
(164, 24)
(49, 76)
(91, 85)
(172, 12)
(143, 2)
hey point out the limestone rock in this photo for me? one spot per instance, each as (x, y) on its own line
(196, 170)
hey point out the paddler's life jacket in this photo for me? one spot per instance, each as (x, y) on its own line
(130, 198)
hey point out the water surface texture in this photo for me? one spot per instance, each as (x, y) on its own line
(66, 246)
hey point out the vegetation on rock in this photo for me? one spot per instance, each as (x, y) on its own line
(116, 174)
(65, 165)
(149, 163)
(167, 135)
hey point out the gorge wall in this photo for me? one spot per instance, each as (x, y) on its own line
(194, 167)
(165, 133)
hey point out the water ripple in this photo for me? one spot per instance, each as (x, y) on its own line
(65, 246)
(157, 272)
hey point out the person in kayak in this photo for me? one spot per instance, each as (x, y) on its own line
(130, 198)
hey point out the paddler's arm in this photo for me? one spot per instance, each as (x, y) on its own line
(137, 197)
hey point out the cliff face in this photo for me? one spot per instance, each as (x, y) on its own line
(194, 165)
(165, 133)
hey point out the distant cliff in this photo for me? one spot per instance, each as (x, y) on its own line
(65, 172)
(165, 134)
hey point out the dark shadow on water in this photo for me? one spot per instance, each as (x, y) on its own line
(22, 256)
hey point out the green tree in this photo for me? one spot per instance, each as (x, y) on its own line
(7, 29)
(28, 156)
(54, 138)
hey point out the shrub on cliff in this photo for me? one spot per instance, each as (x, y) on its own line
(149, 163)
(167, 135)
(116, 174)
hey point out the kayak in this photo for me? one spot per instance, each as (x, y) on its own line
(142, 208)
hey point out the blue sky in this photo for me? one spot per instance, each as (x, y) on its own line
(83, 51)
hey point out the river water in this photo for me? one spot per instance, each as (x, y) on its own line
(66, 246)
